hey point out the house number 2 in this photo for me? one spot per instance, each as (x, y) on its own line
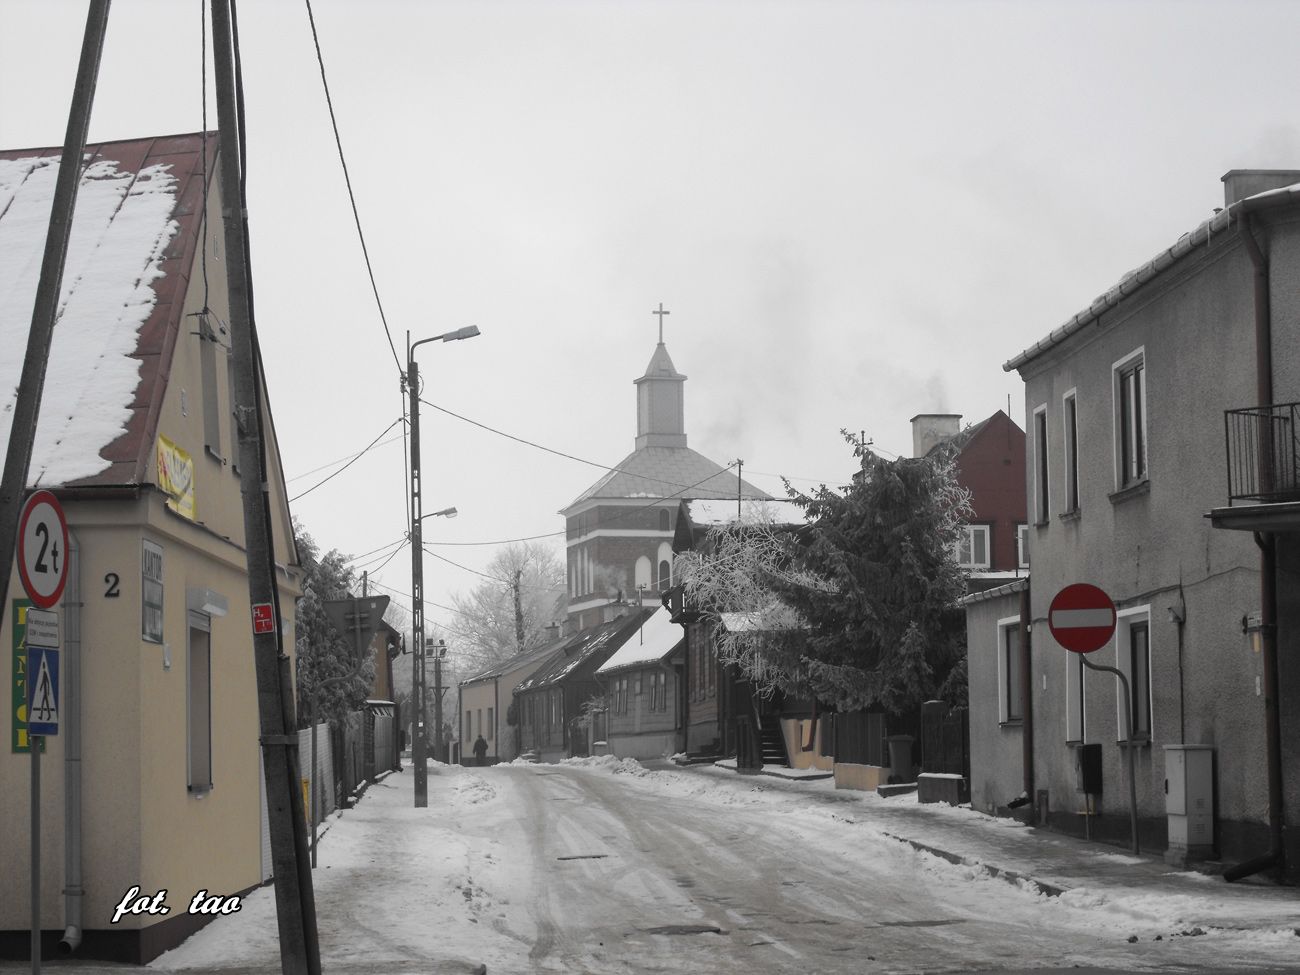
(111, 580)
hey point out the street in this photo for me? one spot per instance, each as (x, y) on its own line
(601, 866)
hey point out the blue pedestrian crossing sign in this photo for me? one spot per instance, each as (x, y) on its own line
(42, 691)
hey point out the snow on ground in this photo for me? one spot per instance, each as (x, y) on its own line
(496, 870)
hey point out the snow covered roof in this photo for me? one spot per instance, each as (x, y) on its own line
(654, 640)
(134, 234)
(1135, 279)
(666, 472)
(752, 512)
(537, 656)
(773, 619)
(593, 645)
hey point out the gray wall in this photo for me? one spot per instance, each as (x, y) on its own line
(996, 750)
(1150, 547)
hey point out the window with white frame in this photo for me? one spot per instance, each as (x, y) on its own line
(1133, 658)
(973, 547)
(1041, 496)
(1130, 420)
(1076, 720)
(1070, 416)
(1010, 699)
(1022, 546)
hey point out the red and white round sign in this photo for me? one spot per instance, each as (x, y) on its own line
(43, 549)
(1082, 618)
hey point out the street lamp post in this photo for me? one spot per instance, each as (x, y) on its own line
(412, 380)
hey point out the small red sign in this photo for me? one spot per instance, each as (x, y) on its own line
(42, 549)
(1082, 618)
(263, 618)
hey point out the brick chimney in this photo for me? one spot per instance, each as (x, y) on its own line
(1241, 183)
(929, 429)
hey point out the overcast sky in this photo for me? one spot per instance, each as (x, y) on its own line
(855, 212)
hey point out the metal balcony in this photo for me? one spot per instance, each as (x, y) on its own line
(1262, 446)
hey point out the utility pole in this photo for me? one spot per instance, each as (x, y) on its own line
(31, 383)
(519, 612)
(412, 383)
(294, 894)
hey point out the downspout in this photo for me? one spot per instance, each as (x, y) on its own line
(496, 717)
(460, 724)
(1276, 856)
(1026, 696)
(73, 892)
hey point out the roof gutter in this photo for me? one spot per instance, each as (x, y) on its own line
(1132, 282)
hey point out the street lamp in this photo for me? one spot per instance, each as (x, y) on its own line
(412, 381)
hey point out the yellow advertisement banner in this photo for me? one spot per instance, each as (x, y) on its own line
(176, 477)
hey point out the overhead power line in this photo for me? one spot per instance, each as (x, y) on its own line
(354, 459)
(338, 460)
(356, 216)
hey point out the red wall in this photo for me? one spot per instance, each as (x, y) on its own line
(992, 468)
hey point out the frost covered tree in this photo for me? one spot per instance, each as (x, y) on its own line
(324, 656)
(884, 629)
(857, 609)
(507, 613)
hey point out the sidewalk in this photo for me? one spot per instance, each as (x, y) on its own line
(1058, 865)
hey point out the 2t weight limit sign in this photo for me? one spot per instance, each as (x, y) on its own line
(43, 549)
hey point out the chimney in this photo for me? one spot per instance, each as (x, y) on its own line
(929, 429)
(1241, 183)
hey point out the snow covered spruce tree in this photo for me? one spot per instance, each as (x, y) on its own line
(322, 654)
(884, 628)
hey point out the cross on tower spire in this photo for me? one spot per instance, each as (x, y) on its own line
(661, 313)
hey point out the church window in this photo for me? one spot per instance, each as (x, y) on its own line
(665, 576)
(663, 521)
(642, 572)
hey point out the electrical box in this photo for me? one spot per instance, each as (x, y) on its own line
(1087, 768)
(1189, 802)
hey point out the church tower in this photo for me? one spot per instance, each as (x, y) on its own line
(619, 531)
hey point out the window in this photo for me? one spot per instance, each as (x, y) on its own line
(468, 725)
(620, 695)
(1010, 700)
(208, 377)
(1130, 420)
(973, 547)
(1133, 658)
(1070, 413)
(658, 691)
(663, 521)
(1075, 711)
(198, 692)
(665, 573)
(1040, 466)
(478, 722)
(1022, 546)
(1140, 678)
(641, 575)
(490, 722)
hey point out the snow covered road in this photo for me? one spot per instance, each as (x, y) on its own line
(608, 867)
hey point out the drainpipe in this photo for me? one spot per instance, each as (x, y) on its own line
(1026, 696)
(496, 718)
(1276, 856)
(73, 892)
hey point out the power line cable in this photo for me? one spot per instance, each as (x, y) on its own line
(356, 216)
(347, 465)
(339, 460)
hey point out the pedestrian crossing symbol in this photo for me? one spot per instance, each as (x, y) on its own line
(42, 691)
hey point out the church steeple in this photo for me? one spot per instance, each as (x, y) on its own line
(660, 399)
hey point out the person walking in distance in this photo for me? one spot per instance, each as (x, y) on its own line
(480, 751)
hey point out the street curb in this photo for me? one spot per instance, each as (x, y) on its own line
(1010, 876)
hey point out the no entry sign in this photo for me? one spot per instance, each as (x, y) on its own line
(1082, 618)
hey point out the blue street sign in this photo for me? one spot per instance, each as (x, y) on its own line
(42, 691)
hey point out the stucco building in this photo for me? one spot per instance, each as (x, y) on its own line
(155, 775)
(1126, 405)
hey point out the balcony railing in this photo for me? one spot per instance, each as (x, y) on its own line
(1262, 446)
